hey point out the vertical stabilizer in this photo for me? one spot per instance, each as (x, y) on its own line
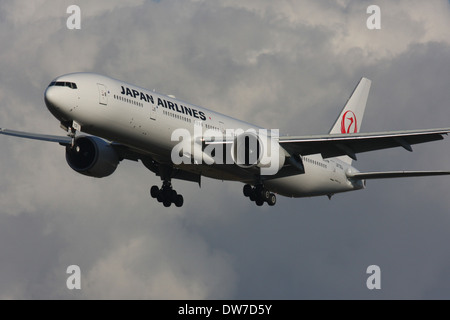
(350, 118)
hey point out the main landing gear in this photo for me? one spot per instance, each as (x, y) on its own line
(166, 195)
(259, 195)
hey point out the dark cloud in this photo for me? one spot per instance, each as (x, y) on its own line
(287, 65)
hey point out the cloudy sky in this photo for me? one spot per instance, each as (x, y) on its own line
(281, 64)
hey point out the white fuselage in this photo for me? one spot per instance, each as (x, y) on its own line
(144, 120)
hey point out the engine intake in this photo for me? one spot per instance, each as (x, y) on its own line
(92, 157)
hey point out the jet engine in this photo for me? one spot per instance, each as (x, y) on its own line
(92, 157)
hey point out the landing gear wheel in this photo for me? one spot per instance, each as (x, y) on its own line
(259, 194)
(247, 190)
(259, 189)
(166, 195)
(265, 195)
(179, 200)
(154, 191)
(272, 200)
(173, 196)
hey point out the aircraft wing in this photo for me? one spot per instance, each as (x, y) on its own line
(331, 145)
(335, 145)
(64, 140)
(395, 174)
(123, 151)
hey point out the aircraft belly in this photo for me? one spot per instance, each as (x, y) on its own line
(312, 183)
(221, 172)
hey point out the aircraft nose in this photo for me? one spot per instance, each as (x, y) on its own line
(52, 98)
(57, 102)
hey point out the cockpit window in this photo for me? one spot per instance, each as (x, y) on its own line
(71, 85)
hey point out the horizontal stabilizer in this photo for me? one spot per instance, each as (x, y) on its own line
(395, 174)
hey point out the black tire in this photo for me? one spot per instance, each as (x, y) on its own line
(259, 202)
(173, 196)
(272, 200)
(179, 201)
(265, 194)
(154, 191)
(259, 189)
(247, 190)
(167, 194)
(167, 203)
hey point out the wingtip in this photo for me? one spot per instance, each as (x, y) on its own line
(366, 80)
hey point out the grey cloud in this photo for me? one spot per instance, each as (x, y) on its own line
(289, 66)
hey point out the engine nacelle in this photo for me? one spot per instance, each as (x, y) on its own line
(92, 157)
(251, 149)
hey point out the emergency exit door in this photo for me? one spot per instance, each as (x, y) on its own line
(102, 94)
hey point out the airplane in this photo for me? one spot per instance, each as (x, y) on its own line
(120, 121)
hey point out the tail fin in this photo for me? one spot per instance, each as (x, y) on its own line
(350, 118)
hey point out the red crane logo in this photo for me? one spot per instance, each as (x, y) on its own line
(349, 123)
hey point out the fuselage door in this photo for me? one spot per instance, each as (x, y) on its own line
(102, 94)
(153, 112)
